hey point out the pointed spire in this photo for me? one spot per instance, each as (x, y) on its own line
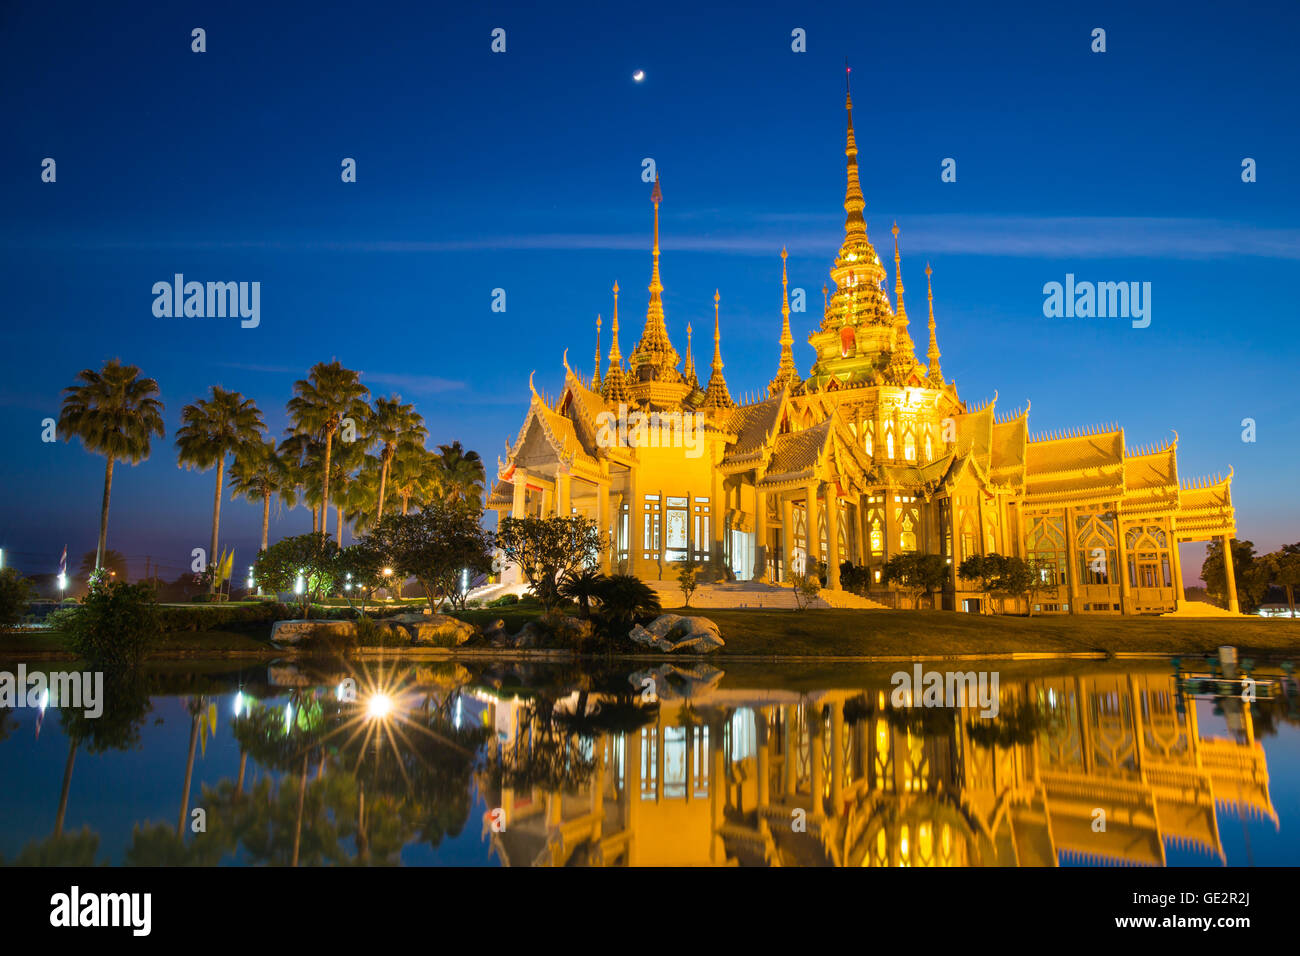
(786, 372)
(898, 275)
(654, 349)
(854, 202)
(935, 375)
(595, 376)
(615, 386)
(716, 395)
(688, 371)
(904, 348)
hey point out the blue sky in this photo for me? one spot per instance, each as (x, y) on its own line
(522, 171)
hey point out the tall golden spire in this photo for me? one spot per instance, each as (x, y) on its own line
(717, 395)
(654, 350)
(786, 372)
(595, 376)
(935, 375)
(904, 338)
(854, 202)
(615, 386)
(688, 371)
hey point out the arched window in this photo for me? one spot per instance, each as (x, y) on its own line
(907, 537)
(909, 445)
(868, 441)
(877, 538)
(889, 444)
(846, 342)
(929, 449)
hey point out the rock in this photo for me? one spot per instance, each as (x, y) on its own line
(495, 633)
(530, 635)
(286, 675)
(293, 632)
(575, 627)
(673, 632)
(440, 630)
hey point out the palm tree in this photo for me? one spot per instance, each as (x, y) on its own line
(300, 454)
(112, 561)
(343, 478)
(321, 402)
(363, 508)
(460, 475)
(393, 424)
(211, 429)
(115, 414)
(414, 476)
(259, 474)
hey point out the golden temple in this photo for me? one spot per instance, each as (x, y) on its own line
(873, 449)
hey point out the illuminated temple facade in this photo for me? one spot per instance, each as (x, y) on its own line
(873, 450)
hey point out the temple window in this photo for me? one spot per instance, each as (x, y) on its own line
(907, 537)
(868, 443)
(909, 446)
(877, 538)
(929, 449)
(889, 444)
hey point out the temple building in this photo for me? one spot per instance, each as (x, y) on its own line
(870, 454)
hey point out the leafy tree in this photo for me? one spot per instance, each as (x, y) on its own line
(916, 574)
(361, 566)
(259, 474)
(321, 402)
(983, 569)
(1282, 568)
(16, 592)
(1251, 576)
(413, 476)
(212, 429)
(116, 625)
(436, 545)
(1015, 577)
(307, 555)
(115, 414)
(548, 548)
(687, 579)
(806, 587)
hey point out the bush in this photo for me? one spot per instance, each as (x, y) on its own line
(15, 594)
(116, 625)
(504, 600)
(623, 598)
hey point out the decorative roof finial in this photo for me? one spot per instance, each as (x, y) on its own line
(615, 385)
(595, 377)
(786, 371)
(655, 350)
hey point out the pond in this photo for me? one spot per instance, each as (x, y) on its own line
(638, 763)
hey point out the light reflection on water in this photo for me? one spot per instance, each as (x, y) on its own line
(322, 763)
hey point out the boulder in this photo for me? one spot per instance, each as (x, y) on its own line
(293, 632)
(673, 632)
(440, 630)
(496, 633)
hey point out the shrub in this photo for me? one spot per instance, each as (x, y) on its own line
(116, 625)
(623, 598)
(504, 600)
(15, 594)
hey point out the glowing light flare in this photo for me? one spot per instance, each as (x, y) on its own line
(379, 706)
(638, 76)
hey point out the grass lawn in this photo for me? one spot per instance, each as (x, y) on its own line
(936, 633)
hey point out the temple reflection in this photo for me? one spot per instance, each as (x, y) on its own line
(1101, 769)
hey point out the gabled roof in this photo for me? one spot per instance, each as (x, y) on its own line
(975, 433)
(1078, 468)
(803, 455)
(755, 427)
(1008, 448)
(1205, 509)
(1151, 480)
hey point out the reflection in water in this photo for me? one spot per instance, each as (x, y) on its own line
(676, 766)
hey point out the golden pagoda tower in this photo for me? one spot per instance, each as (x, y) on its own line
(903, 359)
(654, 358)
(935, 377)
(786, 373)
(615, 386)
(717, 395)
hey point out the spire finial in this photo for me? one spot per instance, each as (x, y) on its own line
(614, 387)
(898, 274)
(595, 376)
(786, 371)
(655, 350)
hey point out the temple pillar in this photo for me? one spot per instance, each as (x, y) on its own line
(789, 721)
(887, 514)
(832, 537)
(760, 535)
(787, 537)
(718, 520)
(1072, 561)
(764, 757)
(812, 533)
(1176, 560)
(861, 528)
(1230, 577)
(519, 508)
(1125, 591)
(563, 495)
(606, 527)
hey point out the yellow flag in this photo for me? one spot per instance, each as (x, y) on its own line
(229, 566)
(216, 569)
